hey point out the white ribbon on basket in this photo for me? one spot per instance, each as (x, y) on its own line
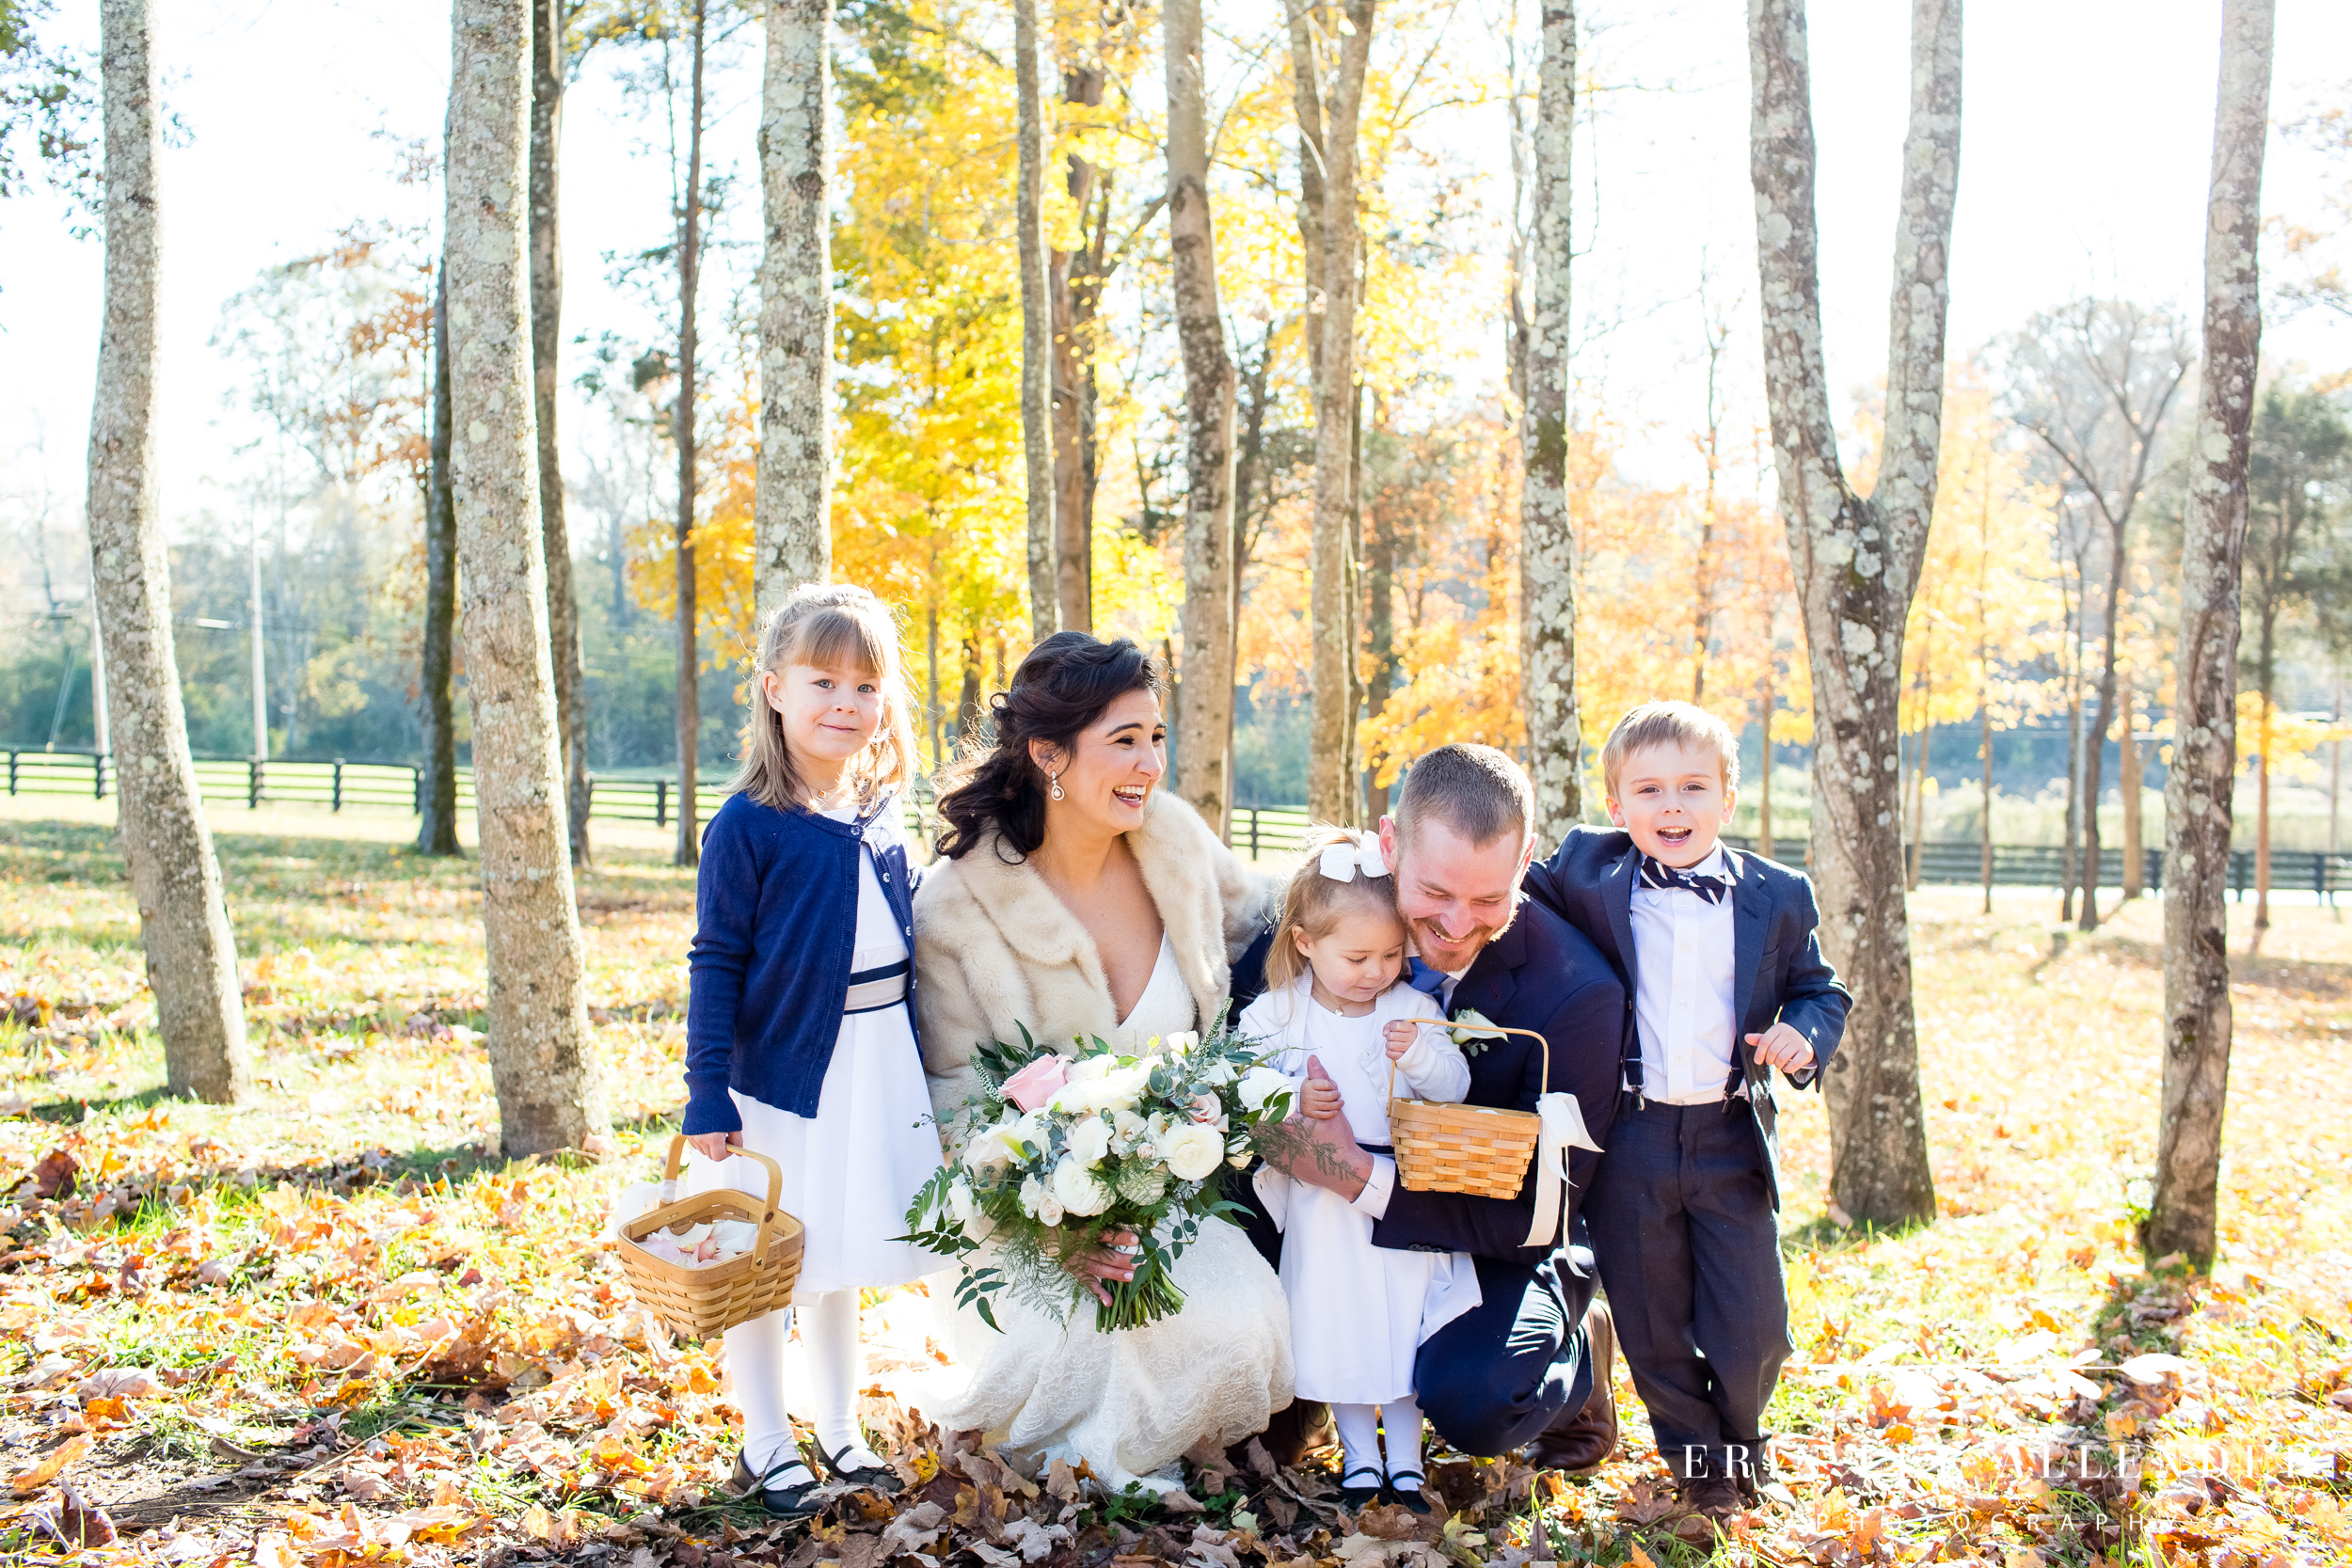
(1563, 1130)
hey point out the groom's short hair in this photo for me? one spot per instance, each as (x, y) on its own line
(1475, 790)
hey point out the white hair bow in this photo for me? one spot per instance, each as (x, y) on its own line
(1340, 861)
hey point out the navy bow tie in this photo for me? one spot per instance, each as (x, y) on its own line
(1656, 874)
(1425, 980)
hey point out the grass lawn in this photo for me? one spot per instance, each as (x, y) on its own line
(332, 1327)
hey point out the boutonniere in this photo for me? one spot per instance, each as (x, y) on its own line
(1472, 1029)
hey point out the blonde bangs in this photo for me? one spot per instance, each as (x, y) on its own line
(823, 624)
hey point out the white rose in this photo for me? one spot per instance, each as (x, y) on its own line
(1260, 1085)
(1032, 1194)
(1049, 1209)
(989, 1150)
(1090, 1140)
(1191, 1151)
(1126, 1127)
(1087, 1067)
(1079, 1190)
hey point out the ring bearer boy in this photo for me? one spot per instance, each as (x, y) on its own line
(1725, 982)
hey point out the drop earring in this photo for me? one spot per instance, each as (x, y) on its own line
(1053, 779)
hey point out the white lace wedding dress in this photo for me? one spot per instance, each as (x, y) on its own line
(1131, 1403)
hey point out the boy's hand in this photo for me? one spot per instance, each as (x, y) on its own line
(1400, 1033)
(1320, 1100)
(1782, 1047)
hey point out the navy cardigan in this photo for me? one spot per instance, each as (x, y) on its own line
(775, 920)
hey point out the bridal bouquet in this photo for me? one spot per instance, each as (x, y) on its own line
(1060, 1151)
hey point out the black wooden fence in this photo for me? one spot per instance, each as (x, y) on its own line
(1257, 831)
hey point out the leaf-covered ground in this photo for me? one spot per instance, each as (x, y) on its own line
(332, 1328)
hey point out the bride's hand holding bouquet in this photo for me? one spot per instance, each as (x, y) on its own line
(1092, 1173)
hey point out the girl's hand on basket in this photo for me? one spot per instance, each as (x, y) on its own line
(713, 1146)
(1115, 1260)
(1400, 1034)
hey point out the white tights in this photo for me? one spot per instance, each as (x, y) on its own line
(1359, 1427)
(836, 1365)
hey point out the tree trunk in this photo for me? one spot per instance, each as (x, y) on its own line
(1856, 564)
(541, 1056)
(547, 326)
(1331, 792)
(2264, 737)
(1075, 284)
(1246, 467)
(1919, 783)
(2127, 775)
(1547, 533)
(1037, 325)
(794, 502)
(436, 833)
(2094, 753)
(2196, 788)
(184, 915)
(2070, 861)
(689, 715)
(1379, 634)
(1764, 801)
(1203, 718)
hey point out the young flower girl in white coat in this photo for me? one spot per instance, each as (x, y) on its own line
(1336, 1000)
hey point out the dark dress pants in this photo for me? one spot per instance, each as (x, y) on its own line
(1496, 1376)
(1690, 1250)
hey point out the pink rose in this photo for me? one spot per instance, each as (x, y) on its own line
(1206, 1108)
(1038, 1083)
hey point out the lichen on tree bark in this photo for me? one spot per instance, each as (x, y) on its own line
(1547, 533)
(2198, 786)
(793, 505)
(183, 917)
(542, 1058)
(1857, 560)
(1203, 750)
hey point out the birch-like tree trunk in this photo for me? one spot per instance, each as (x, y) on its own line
(690, 713)
(794, 504)
(1203, 754)
(1331, 784)
(183, 917)
(551, 1094)
(546, 337)
(2197, 788)
(1857, 562)
(436, 788)
(1547, 534)
(1073, 282)
(1037, 325)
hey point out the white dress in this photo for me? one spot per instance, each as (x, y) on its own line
(1131, 1403)
(850, 1170)
(1361, 1312)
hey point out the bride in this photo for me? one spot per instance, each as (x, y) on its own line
(1076, 899)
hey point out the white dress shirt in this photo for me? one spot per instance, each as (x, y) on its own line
(1684, 958)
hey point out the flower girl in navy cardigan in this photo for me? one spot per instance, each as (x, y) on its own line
(799, 1039)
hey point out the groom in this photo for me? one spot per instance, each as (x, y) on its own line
(1531, 1363)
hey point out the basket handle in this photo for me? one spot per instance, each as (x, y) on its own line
(1488, 1029)
(776, 1189)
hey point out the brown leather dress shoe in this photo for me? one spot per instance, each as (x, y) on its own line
(1290, 1431)
(1714, 1499)
(1584, 1440)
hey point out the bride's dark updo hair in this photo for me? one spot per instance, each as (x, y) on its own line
(1060, 689)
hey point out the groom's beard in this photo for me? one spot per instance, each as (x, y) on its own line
(1454, 953)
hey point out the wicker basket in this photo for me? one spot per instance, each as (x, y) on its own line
(701, 1302)
(1479, 1150)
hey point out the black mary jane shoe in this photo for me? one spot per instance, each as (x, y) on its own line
(1404, 1489)
(1354, 1498)
(789, 1499)
(876, 1477)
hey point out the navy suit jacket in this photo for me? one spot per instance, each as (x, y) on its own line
(1540, 974)
(1777, 968)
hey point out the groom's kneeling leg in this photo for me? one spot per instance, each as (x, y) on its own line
(1495, 1376)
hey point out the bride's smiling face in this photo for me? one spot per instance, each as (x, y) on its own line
(1108, 772)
